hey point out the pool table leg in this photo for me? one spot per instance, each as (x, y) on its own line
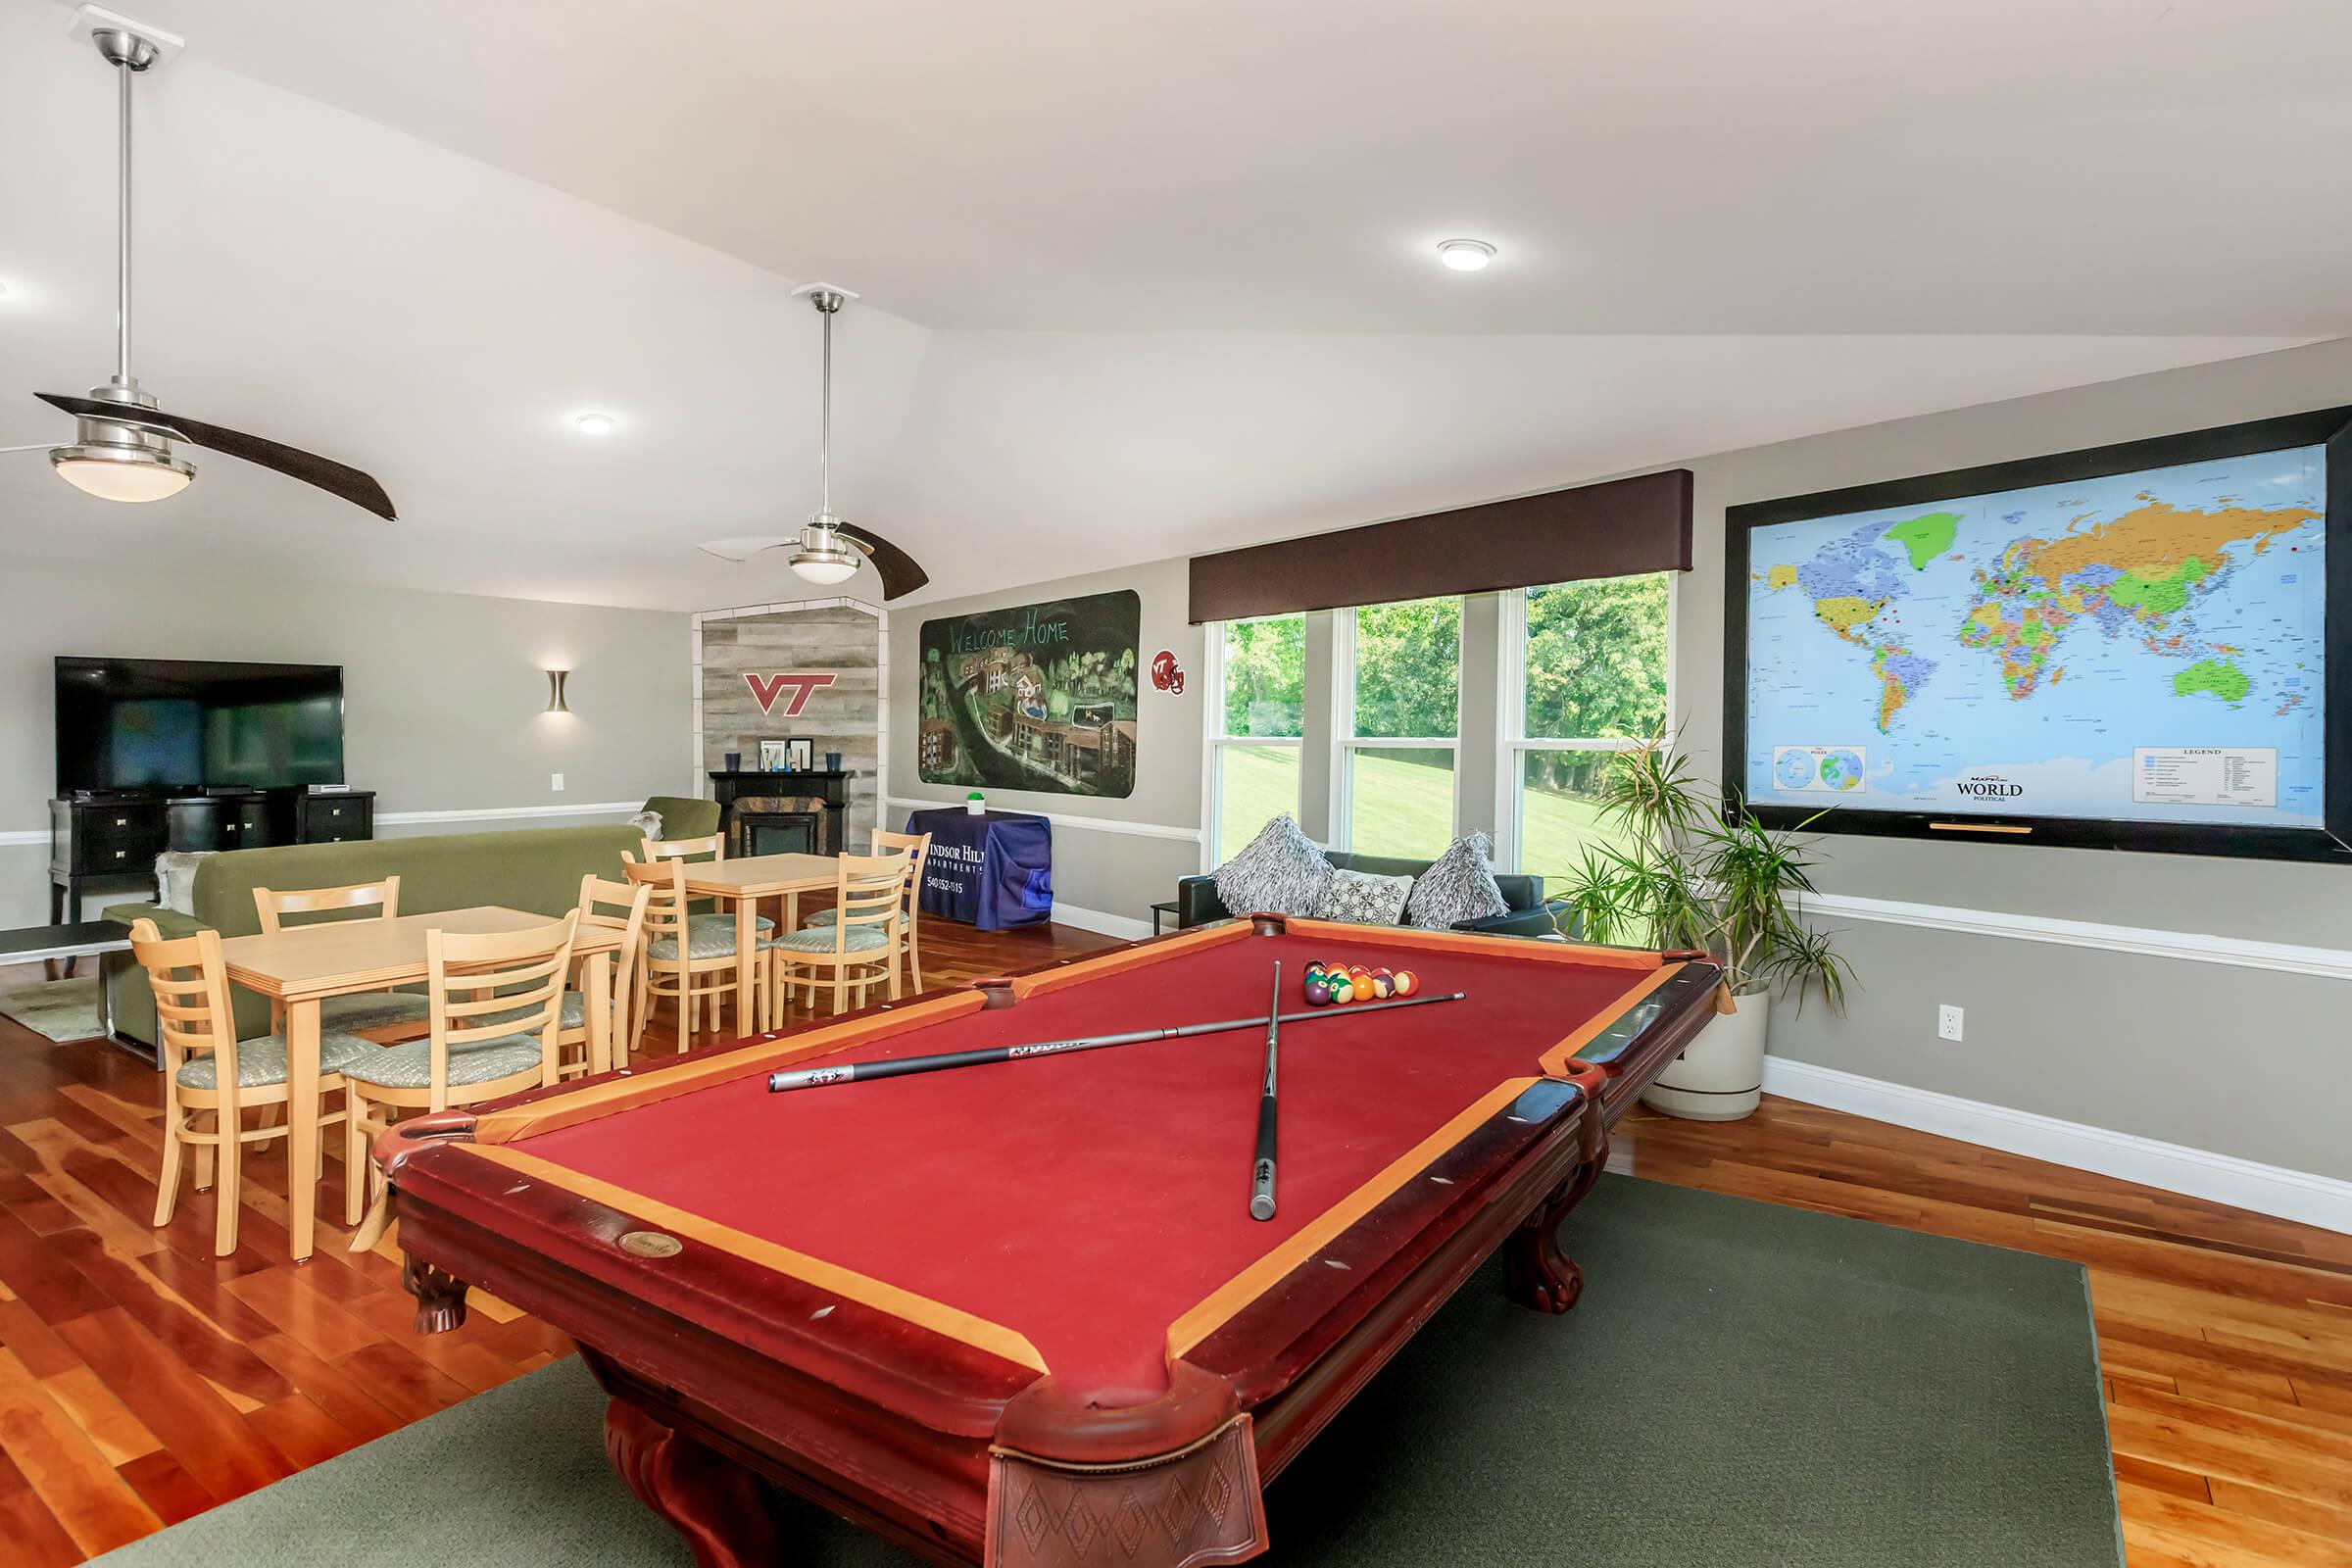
(706, 1497)
(1536, 1273)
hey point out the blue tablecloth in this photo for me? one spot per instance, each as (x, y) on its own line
(991, 871)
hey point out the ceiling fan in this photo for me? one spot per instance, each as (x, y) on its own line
(829, 547)
(122, 448)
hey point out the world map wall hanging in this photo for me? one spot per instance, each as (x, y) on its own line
(1035, 697)
(2125, 648)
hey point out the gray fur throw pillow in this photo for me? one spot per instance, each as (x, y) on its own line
(1362, 899)
(1280, 871)
(647, 823)
(175, 879)
(1459, 885)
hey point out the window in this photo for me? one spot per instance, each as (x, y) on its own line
(1593, 681)
(1259, 718)
(1404, 685)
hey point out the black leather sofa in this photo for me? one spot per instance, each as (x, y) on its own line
(1529, 915)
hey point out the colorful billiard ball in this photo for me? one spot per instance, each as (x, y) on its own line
(1405, 982)
(1313, 969)
(1381, 986)
(1343, 993)
(1318, 994)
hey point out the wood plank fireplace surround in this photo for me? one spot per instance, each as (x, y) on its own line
(782, 813)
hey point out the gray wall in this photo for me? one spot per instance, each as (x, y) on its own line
(1112, 873)
(2230, 1059)
(443, 693)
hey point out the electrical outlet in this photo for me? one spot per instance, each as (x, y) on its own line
(1947, 1022)
(555, 781)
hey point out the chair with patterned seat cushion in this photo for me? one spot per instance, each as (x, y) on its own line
(919, 847)
(615, 906)
(497, 999)
(211, 1074)
(859, 948)
(705, 971)
(397, 1014)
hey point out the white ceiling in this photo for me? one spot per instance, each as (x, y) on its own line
(1137, 282)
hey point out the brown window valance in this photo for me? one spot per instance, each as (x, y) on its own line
(1612, 529)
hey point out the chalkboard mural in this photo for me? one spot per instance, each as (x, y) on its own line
(1039, 697)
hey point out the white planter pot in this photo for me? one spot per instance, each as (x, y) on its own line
(1720, 1075)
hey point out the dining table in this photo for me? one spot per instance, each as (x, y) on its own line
(743, 882)
(300, 966)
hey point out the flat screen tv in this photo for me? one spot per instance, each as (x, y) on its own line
(184, 724)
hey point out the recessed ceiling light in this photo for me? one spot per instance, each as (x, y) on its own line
(1465, 255)
(595, 424)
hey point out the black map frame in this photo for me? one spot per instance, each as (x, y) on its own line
(2331, 428)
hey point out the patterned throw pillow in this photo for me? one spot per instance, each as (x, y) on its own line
(1362, 899)
(647, 823)
(1280, 871)
(1458, 886)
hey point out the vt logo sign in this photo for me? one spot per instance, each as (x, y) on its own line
(766, 689)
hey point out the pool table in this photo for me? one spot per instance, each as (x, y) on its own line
(1019, 1314)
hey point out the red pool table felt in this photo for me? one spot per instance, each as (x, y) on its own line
(1087, 1202)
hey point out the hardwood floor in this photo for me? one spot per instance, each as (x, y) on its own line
(143, 1380)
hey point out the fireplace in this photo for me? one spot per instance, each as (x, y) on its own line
(780, 825)
(782, 813)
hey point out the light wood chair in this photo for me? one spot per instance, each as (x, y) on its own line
(497, 1014)
(859, 948)
(211, 1075)
(689, 957)
(918, 845)
(714, 845)
(598, 899)
(393, 1014)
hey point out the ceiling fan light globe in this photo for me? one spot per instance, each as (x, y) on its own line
(824, 569)
(118, 474)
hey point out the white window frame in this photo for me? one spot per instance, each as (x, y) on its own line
(1510, 712)
(1215, 740)
(1344, 741)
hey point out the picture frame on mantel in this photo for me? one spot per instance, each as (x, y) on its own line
(775, 756)
(800, 754)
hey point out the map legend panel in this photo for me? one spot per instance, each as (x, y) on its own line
(2205, 775)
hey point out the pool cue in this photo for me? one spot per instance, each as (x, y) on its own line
(1262, 1168)
(986, 1055)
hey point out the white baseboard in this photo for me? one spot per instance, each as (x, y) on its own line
(2299, 1196)
(1110, 925)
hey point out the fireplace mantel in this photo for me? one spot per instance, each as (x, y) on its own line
(830, 789)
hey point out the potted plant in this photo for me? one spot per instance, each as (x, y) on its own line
(1693, 870)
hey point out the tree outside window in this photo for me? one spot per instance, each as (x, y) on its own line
(1263, 708)
(1592, 683)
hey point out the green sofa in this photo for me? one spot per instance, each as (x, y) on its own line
(537, 870)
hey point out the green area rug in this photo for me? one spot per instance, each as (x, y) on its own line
(62, 1009)
(1742, 1383)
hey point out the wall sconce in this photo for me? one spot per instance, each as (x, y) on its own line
(554, 691)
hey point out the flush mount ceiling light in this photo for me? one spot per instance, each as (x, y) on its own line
(122, 442)
(1465, 255)
(595, 424)
(829, 549)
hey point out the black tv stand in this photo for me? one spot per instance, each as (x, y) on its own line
(107, 839)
